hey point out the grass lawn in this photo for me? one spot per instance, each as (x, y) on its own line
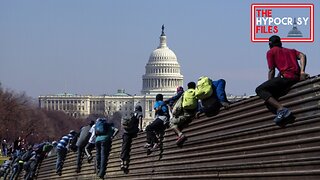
(2, 159)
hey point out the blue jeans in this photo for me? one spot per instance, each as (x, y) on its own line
(80, 157)
(219, 86)
(103, 150)
(4, 152)
(17, 168)
(61, 156)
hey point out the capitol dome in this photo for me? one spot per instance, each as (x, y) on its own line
(163, 53)
(162, 70)
(294, 32)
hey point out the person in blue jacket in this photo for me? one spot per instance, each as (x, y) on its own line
(62, 150)
(104, 132)
(159, 124)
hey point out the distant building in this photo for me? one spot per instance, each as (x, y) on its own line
(162, 76)
(295, 32)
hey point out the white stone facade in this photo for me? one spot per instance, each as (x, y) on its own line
(83, 106)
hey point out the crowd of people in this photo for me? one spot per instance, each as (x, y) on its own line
(24, 157)
(204, 97)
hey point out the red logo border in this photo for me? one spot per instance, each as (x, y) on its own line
(281, 5)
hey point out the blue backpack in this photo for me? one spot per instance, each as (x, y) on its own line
(101, 127)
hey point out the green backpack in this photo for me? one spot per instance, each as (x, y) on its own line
(204, 88)
(189, 101)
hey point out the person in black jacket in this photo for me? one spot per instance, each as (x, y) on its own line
(131, 129)
(171, 101)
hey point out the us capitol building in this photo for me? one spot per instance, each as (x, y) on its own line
(162, 76)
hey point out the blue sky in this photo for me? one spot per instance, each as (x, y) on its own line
(97, 47)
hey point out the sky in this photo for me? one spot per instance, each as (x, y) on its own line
(96, 47)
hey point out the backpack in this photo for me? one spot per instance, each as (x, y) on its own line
(177, 108)
(128, 123)
(204, 88)
(73, 142)
(47, 148)
(189, 101)
(38, 148)
(101, 127)
(164, 110)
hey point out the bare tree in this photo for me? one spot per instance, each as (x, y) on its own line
(19, 116)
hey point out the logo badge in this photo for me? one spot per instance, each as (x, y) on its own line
(292, 22)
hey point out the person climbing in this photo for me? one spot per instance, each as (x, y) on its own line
(290, 72)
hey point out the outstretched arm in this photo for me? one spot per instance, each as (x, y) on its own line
(303, 62)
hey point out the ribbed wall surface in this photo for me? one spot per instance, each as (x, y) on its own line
(239, 143)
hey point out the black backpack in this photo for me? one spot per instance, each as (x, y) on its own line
(72, 143)
(129, 122)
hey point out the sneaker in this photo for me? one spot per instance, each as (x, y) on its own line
(89, 159)
(78, 170)
(288, 120)
(126, 164)
(59, 173)
(126, 171)
(147, 145)
(155, 146)
(122, 166)
(281, 116)
(181, 139)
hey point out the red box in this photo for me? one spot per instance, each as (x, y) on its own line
(281, 5)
